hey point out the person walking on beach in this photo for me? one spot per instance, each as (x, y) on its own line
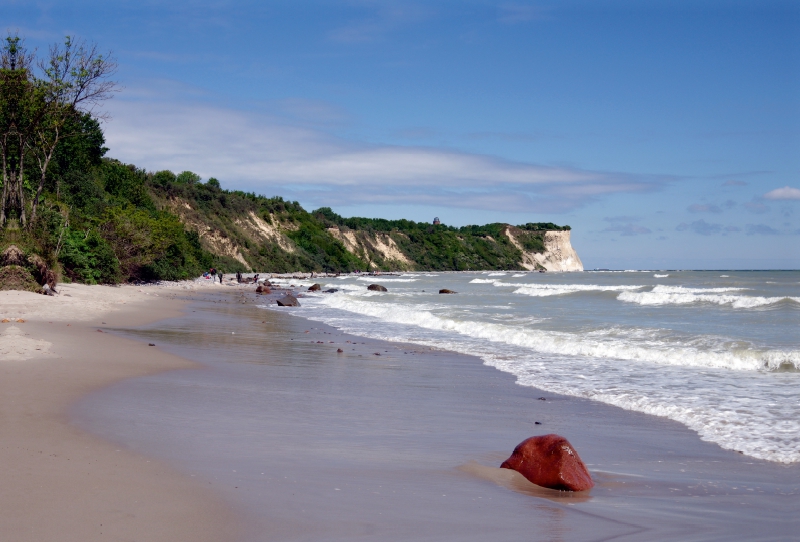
(239, 277)
(220, 274)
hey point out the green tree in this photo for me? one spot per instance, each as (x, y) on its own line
(35, 111)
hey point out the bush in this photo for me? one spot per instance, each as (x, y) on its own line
(87, 257)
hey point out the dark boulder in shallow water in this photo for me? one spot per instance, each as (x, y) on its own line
(550, 461)
(331, 291)
(315, 288)
(288, 301)
(446, 291)
(377, 288)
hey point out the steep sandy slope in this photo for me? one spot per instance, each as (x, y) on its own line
(368, 247)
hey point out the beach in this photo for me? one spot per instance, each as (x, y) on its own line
(245, 423)
(306, 443)
(60, 482)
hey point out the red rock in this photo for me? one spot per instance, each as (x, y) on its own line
(550, 461)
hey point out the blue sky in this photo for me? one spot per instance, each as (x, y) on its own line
(666, 133)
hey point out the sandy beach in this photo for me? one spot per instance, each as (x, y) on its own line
(306, 443)
(244, 423)
(59, 482)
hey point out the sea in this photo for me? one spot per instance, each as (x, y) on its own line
(718, 351)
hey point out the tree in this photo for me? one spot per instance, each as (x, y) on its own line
(76, 80)
(21, 110)
(35, 111)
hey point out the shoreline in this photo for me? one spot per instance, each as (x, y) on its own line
(63, 483)
(655, 477)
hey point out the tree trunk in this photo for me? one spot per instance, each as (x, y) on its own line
(43, 167)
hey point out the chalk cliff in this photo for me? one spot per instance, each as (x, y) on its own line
(558, 254)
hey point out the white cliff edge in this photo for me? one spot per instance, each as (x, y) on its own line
(558, 253)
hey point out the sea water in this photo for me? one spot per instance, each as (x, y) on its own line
(718, 351)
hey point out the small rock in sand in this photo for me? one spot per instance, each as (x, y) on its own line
(446, 291)
(315, 288)
(288, 301)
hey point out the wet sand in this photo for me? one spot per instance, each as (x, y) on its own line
(60, 482)
(310, 444)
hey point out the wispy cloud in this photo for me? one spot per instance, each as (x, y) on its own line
(761, 229)
(515, 13)
(628, 230)
(787, 192)
(379, 19)
(268, 154)
(756, 207)
(700, 227)
(697, 208)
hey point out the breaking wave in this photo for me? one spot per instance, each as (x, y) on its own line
(609, 344)
(679, 295)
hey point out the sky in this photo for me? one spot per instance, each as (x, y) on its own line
(665, 133)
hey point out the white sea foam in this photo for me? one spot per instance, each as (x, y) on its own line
(661, 276)
(687, 290)
(739, 391)
(497, 274)
(599, 344)
(518, 275)
(676, 295)
(543, 290)
(378, 278)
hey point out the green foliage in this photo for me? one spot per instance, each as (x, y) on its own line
(103, 221)
(164, 178)
(126, 183)
(543, 226)
(87, 257)
(531, 242)
(187, 177)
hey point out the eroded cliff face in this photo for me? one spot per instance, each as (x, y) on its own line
(371, 247)
(258, 241)
(558, 253)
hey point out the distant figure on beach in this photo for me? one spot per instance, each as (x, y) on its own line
(239, 277)
(220, 274)
(255, 278)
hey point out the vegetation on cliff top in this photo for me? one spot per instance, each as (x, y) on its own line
(94, 219)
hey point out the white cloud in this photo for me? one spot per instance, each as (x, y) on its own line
(787, 192)
(265, 153)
